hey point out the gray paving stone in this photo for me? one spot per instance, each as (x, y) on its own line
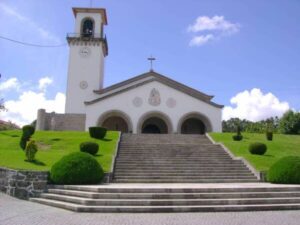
(18, 212)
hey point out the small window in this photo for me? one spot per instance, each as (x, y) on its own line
(87, 28)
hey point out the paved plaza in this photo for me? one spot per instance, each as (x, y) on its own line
(18, 212)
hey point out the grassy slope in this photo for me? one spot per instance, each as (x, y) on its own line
(52, 146)
(282, 145)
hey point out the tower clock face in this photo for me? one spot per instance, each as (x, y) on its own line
(84, 51)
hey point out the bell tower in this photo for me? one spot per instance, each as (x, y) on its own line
(88, 48)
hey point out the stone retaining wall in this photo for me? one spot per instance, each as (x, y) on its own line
(57, 121)
(23, 183)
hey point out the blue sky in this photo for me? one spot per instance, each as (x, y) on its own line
(253, 54)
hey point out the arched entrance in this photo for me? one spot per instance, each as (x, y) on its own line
(115, 123)
(115, 120)
(154, 122)
(154, 125)
(194, 123)
(193, 126)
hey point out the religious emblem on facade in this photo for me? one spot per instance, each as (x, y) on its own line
(137, 101)
(154, 98)
(171, 102)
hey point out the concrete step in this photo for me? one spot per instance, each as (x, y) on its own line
(180, 166)
(177, 176)
(154, 195)
(175, 158)
(178, 162)
(182, 180)
(205, 208)
(193, 195)
(172, 171)
(170, 202)
(181, 154)
(233, 188)
(181, 173)
(174, 154)
(171, 151)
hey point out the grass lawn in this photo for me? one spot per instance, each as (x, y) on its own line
(52, 146)
(282, 145)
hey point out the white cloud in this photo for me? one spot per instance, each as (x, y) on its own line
(201, 40)
(254, 105)
(204, 23)
(9, 84)
(24, 110)
(42, 32)
(44, 82)
(207, 29)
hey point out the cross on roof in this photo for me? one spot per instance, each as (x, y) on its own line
(151, 59)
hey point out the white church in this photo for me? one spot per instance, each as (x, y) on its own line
(147, 103)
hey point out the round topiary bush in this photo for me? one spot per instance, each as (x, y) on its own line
(97, 132)
(285, 171)
(77, 168)
(257, 148)
(237, 137)
(89, 147)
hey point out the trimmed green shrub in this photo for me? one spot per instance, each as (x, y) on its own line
(269, 135)
(89, 147)
(285, 171)
(30, 150)
(28, 131)
(97, 132)
(257, 148)
(77, 168)
(237, 137)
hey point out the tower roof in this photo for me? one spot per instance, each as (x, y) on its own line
(102, 11)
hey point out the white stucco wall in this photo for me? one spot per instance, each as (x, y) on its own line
(124, 102)
(84, 68)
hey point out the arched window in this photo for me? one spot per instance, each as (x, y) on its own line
(87, 28)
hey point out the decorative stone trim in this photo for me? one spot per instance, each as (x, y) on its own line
(113, 165)
(23, 184)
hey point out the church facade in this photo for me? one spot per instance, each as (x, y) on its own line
(147, 103)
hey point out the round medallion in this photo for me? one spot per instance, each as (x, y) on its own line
(84, 51)
(137, 102)
(83, 84)
(171, 102)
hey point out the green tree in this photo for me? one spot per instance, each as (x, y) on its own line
(290, 123)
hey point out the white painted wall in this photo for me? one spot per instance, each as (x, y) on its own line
(89, 69)
(123, 102)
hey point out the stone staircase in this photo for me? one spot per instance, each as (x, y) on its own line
(174, 173)
(171, 158)
(176, 198)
